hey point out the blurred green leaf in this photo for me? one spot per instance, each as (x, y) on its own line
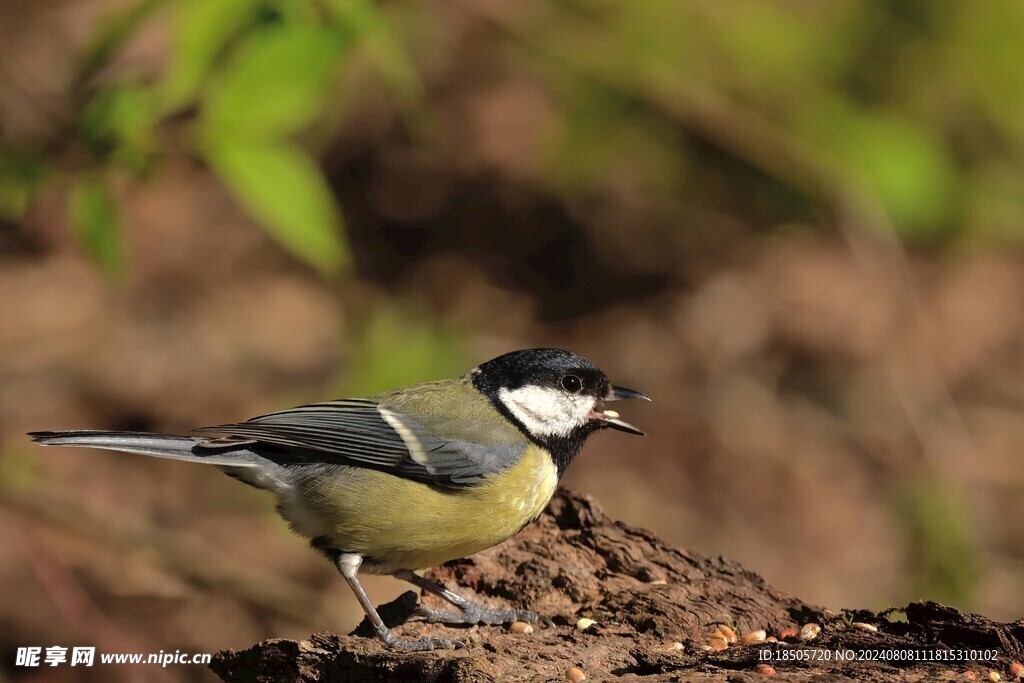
(900, 162)
(201, 30)
(118, 122)
(986, 53)
(93, 218)
(582, 155)
(276, 85)
(396, 347)
(20, 173)
(375, 32)
(940, 540)
(655, 32)
(283, 188)
(775, 46)
(995, 205)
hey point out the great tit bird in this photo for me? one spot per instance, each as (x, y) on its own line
(413, 477)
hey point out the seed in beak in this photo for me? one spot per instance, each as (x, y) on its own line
(611, 413)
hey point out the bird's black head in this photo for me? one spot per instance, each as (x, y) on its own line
(555, 397)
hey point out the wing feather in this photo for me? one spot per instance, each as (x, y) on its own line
(354, 432)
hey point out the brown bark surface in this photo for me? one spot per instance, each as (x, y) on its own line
(644, 595)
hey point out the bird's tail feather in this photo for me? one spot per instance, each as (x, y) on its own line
(156, 445)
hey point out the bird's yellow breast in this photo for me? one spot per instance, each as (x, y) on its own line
(396, 523)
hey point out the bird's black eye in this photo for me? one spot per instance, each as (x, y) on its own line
(572, 384)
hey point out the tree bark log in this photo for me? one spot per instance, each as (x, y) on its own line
(645, 596)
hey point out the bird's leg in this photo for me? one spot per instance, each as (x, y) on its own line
(471, 612)
(348, 565)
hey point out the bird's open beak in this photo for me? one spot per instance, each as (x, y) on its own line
(618, 393)
(610, 418)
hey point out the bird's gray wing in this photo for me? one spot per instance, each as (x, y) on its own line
(361, 433)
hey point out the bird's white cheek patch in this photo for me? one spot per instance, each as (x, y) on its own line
(547, 412)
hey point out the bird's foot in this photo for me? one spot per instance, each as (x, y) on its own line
(473, 613)
(423, 644)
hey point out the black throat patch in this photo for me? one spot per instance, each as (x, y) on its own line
(563, 449)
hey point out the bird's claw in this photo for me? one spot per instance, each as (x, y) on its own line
(426, 644)
(474, 614)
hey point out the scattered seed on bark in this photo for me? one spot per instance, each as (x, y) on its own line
(520, 627)
(717, 644)
(575, 674)
(730, 635)
(809, 632)
(757, 636)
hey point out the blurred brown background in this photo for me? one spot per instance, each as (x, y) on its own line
(796, 225)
